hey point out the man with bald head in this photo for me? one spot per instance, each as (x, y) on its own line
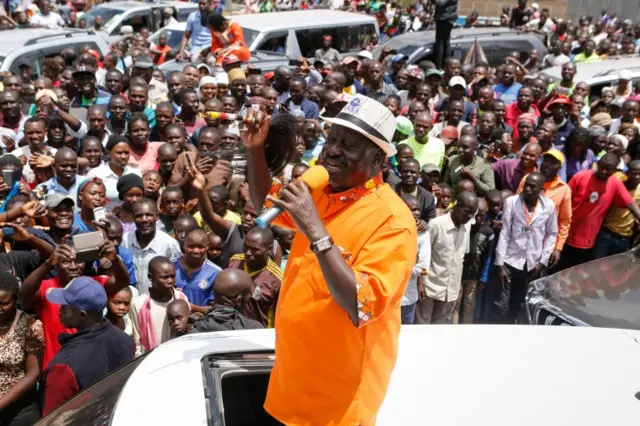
(509, 173)
(265, 273)
(66, 181)
(377, 89)
(425, 149)
(468, 165)
(527, 240)
(231, 289)
(449, 236)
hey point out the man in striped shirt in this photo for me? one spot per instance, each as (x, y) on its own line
(265, 273)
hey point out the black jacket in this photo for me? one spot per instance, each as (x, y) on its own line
(446, 10)
(85, 358)
(223, 318)
(427, 202)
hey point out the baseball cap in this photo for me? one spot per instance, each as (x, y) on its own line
(143, 61)
(624, 74)
(449, 134)
(556, 154)
(430, 168)
(206, 67)
(84, 69)
(365, 54)
(404, 125)
(82, 293)
(399, 57)
(54, 200)
(558, 100)
(434, 71)
(457, 81)
(350, 59)
(415, 72)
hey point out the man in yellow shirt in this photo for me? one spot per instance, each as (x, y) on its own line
(425, 149)
(617, 230)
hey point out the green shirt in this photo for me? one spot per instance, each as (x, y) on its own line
(582, 58)
(430, 152)
(479, 168)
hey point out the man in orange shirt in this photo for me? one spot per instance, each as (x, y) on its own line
(560, 194)
(227, 37)
(339, 304)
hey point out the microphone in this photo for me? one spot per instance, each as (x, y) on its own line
(316, 177)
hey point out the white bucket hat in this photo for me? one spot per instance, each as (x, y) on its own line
(369, 118)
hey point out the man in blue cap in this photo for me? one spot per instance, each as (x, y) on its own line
(95, 351)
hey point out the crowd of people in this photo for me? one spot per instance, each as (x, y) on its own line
(508, 177)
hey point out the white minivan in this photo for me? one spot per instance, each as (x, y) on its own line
(299, 33)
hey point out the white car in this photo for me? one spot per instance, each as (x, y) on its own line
(599, 75)
(445, 376)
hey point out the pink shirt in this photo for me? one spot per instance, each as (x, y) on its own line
(146, 161)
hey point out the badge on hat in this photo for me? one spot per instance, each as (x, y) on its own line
(354, 105)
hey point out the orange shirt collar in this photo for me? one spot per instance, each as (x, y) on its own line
(357, 192)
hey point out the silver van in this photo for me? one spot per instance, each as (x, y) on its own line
(299, 33)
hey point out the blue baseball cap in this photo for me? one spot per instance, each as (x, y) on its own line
(399, 57)
(82, 293)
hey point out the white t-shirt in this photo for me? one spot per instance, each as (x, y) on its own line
(52, 20)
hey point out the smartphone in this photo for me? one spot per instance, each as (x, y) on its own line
(99, 214)
(10, 177)
(294, 63)
(87, 246)
(254, 71)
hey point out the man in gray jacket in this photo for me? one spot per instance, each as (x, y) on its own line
(445, 16)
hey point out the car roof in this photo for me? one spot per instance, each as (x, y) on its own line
(296, 19)
(597, 72)
(13, 39)
(126, 5)
(421, 37)
(537, 374)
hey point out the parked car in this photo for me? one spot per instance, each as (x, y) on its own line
(602, 293)
(263, 61)
(31, 46)
(135, 14)
(599, 75)
(497, 44)
(553, 376)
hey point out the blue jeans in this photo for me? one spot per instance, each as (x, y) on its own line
(408, 313)
(609, 243)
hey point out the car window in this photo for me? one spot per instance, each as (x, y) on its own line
(497, 49)
(459, 50)
(183, 13)
(94, 405)
(345, 39)
(137, 20)
(107, 13)
(274, 42)
(596, 89)
(174, 38)
(33, 59)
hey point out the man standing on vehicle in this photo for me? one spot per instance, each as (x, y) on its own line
(446, 15)
(351, 289)
(201, 34)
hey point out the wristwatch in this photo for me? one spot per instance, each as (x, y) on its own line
(322, 245)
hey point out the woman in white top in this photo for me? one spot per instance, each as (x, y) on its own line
(110, 171)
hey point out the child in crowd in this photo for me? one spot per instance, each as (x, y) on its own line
(178, 317)
(502, 149)
(171, 206)
(214, 251)
(444, 199)
(118, 309)
(149, 313)
(412, 293)
(479, 251)
(152, 185)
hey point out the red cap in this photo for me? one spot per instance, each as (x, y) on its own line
(562, 100)
(449, 134)
(269, 75)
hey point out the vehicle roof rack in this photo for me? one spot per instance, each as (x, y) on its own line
(70, 34)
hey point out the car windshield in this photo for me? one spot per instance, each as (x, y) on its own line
(174, 37)
(1, 60)
(250, 36)
(108, 14)
(96, 404)
(405, 49)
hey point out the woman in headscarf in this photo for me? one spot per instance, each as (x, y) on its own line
(526, 127)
